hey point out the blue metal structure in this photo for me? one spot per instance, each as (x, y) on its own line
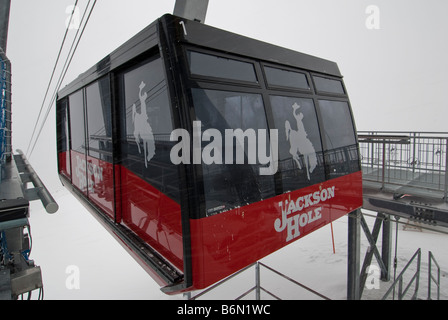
(3, 70)
(18, 273)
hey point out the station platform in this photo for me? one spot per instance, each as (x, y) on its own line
(405, 174)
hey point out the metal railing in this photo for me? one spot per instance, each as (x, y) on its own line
(431, 278)
(416, 160)
(257, 288)
(415, 278)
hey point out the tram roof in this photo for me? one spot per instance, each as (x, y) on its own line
(205, 36)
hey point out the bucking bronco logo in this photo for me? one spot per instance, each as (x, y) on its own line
(300, 144)
(142, 129)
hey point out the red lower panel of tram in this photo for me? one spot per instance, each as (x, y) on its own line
(227, 242)
(153, 216)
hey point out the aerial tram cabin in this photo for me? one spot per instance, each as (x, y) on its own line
(204, 151)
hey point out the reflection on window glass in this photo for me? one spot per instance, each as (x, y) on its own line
(63, 137)
(337, 124)
(300, 148)
(213, 66)
(99, 120)
(329, 85)
(147, 128)
(341, 153)
(77, 133)
(229, 185)
(285, 78)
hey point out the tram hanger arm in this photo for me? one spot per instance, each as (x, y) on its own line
(40, 191)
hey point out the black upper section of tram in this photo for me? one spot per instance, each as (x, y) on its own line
(200, 35)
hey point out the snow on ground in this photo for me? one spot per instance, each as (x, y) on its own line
(81, 260)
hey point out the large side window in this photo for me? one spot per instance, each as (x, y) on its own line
(100, 177)
(99, 120)
(63, 138)
(77, 132)
(300, 147)
(232, 176)
(147, 127)
(341, 151)
(78, 141)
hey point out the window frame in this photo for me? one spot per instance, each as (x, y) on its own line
(328, 151)
(328, 93)
(108, 155)
(270, 86)
(319, 109)
(64, 134)
(205, 211)
(82, 92)
(122, 155)
(212, 79)
(321, 153)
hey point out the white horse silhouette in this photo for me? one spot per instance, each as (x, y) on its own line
(142, 129)
(300, 144)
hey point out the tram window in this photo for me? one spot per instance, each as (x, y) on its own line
(218, 67)
(341, 152)
(63, 137)
(99, 119)
(328, 85)
(77, 134)
(337, 124)
(300, 147)
(227, 184)
(284, 78)
(148, 124)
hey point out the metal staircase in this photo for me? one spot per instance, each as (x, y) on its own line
(399, 288)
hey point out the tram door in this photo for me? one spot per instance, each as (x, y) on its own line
(100, 176)
(88, 161)
(149, 187)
